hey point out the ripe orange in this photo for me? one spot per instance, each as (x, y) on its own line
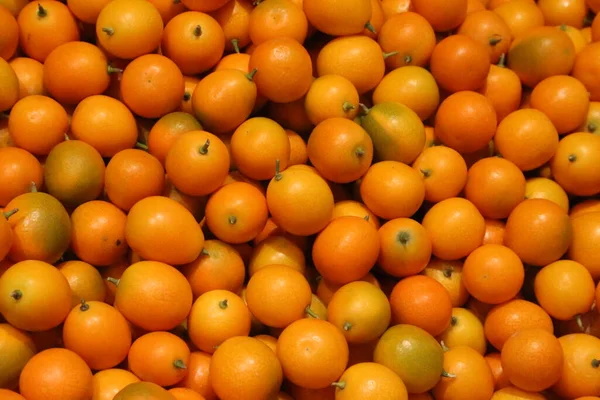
(370, 381)
(444, 171)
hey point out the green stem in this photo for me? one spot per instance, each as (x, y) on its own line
(369, 26)
(84, 306)
(363, 108)
(205, 252)
(33, 187)
(141, 146)
(16, 295)
(41, 12)
(339, 385)
(179, 364)
(232, 219)
(114, 281)
(113, 70)
(204, 149)
(347, 106)
(223, 304)
(236, 45)
(392, 53)
(347, 326)
(446, 374)
(278, 175)
(108, 31)
(8, 214)
(579, 322)
(250, 75)
(198, 31)
(595, 363)
(310, 313)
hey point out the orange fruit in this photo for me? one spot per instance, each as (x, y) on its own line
(494, 231)
(449, 220)
(526, 137)
(544, 188)
(163, 291)
(140, 390)
(30, 74)
(167, 130)
(56, 374)
(585, 69)
(360, 310)
(495, 186)
(469, 376)
(465, 121)
(337, 19)
(539, 231)
(444, 171)
(85, 281)
(278, 18)
(19, 169)
(465, 330)
(216, 316)
(244, 365)
(413, 354)
(107, 383)
(585, 237)
(17, 348)
(532, 359)
(490, 29)
(573, 168)
(340, 150)
(198, 378)
(313, 353)
(277, 249)
(10, 39)
(392, 189)
(442, 15)
(580, 368)
(493, 274)
(128, 29)
(370, 381)
(450, 275)
(405, 247)
(331, 96)
(505, 319)
(98, 333)
(503, 89)
(569, 13)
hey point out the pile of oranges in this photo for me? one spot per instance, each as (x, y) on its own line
(299, 200)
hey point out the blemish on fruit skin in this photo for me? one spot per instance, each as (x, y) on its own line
(118, 243)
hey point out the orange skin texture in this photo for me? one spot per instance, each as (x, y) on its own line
(572, 12)
(276, 60)
(300, 201)
(584, 207)
(393, 7)
(106, 384)
(500, 379)
(444, 171)
(85, 10)
(215, 317)
(488, 265)
(197, 163)
(563, 99)
(586, 70)
(298, 151)
(592, 121)
(67, 165)
(578, 378)
(540, 53)
(503, 320)
(30, 74)
(405, 247)
(442, 15)
(325, 290)
(539, 231)
(132, 175)
(129, 29)
(41, 32)
(17, 348)
(524, 130)
(85, 281)
(572, 165)
(204, 5)
(465, 330)
(357, 58)
(577, 290)
(6, 236)
(291, 115)
(279, 18)
(370, 381)
(98, 333)
(338, 18)
(198, 378)
(222, 268)
(459, 63)
(18, 169)
(105, 123)
(490, 29)
(340, 150)
(223, 100)
(473, 380)
(450, 275)
(143, 391)
(360, 310)
(152, 86)
(41, 133)
(323, 362)
(149, 284)
(586, 233)
(10, 38)
(347, 208)
(194, 52)
(502, 182)
(9, 92)
(403, 187)
(465, 121)
(257, 145)
(190, 83)
(10, 395)
(237, 212)
(167, 130)
(346, 249)
(520, 16)
(277, 295)
(74, 71)
(503, 89)
(41, 228)
(33, 313)
(412, 301)
(234, 18)
(71, 378)
(411, 35)
(244, 365)
(452, 218)
(185, 394)
(532, 359)
(327, 97)
(545, 188)
(159, 357)
(494, 232)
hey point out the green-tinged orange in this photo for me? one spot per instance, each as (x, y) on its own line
(16, 347)
(397, 132)
(144, 391)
